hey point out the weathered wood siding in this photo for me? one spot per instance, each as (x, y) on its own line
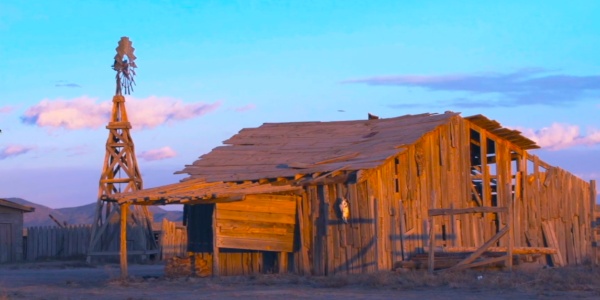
(457, 165)
(173, 240)
(259, 222)
(251, 234)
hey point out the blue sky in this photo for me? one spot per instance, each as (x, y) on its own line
(207, 69)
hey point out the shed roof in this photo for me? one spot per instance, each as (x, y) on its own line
(10, 204)
(288, 149)
(197, 191)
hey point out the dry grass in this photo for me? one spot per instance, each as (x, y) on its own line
(567, 279)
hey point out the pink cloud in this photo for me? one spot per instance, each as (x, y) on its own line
(561, 136)
(78, 113)
(158, 154)
(6, 109)
(85, 112)
(245, 108)
(153, 111)
(13, 150)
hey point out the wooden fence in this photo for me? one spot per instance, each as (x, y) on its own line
(73, 241)
(173, 240)
(57, 242)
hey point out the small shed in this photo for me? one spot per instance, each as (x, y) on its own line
(11, 230)
(272, 198)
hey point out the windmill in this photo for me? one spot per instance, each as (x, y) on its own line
(120, 174)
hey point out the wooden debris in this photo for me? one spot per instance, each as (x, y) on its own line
(190, 266)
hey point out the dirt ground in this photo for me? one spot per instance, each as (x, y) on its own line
(76, 280)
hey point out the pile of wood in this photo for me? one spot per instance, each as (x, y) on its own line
(191, 266)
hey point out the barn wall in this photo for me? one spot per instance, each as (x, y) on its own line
(461, 165)
(326, 244)
(563, 203)
(11, 235)
(458, 165)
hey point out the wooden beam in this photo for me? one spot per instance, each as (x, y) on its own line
(283, 262)
(548, 230)
(477, 197)
(483, 248)
(431, 258)
(516, 250)
(468, 210)
(123, 254)
(480, 263)
(511, 234)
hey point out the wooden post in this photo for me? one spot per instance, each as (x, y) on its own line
(123, 252)
(283, 262)
(431, 243)
(215, 258)
(431, 258)
(594, 247)
(511, 232)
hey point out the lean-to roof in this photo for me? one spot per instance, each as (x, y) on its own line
(196, 191)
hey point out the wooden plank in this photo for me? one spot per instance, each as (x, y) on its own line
(553, 243)
(283, 262)
(253, 227)
(255, 244)
(431, 259)
(468, 210)
(304, 246)
(262, 203)
(516, 250)
(511, 233)
(258, 233)
(256, 217)
(483, 248)
(480, 263)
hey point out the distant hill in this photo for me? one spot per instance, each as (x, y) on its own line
(79, 214)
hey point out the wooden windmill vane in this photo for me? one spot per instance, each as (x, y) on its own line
(120, 171)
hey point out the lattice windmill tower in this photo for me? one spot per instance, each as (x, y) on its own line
(120, 173)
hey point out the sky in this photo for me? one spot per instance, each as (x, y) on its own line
(207, 69)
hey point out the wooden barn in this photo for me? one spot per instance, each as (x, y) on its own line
(11, 230)
(416, 187)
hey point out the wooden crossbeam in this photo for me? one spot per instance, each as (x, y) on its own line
(480, 263)
(482, 249)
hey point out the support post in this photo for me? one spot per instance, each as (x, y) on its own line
(283, 262)
(431, 258)
(511, 235)
(123, 252)
(215, 258)
(593, 225)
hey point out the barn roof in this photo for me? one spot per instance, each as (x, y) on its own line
(287, 149)
(10, 204)
(276, 157)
